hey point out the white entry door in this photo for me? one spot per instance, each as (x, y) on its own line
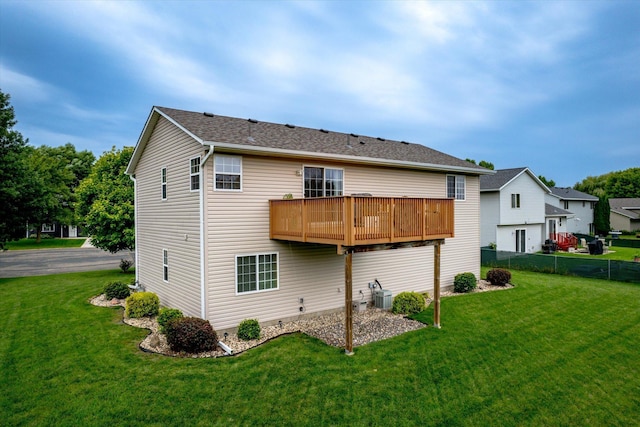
(521, 240)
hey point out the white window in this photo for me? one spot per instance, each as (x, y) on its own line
(48, 228)
(163, 174)
(566, 204)
(227, 173)
(456, 187)
(323, 182)
(515, 201)
(194, 173)
(165, 265)
(255, 273)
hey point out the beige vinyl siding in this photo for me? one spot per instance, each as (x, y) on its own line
(171, 224)
(238, 224)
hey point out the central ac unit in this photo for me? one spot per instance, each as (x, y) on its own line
(383, 299)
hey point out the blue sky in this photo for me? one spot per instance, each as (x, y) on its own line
(554, 86)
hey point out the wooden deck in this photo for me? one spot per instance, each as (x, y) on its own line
(352, 221)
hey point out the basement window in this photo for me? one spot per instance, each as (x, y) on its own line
(256, 273)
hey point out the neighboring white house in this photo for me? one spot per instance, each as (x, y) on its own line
(579, 207)
(513, 210)
(240, 219)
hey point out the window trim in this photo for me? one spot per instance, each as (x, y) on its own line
(455, 187)
(324, 180)
(515, 201)
(48, 228)
(216, 173)
(163, 183)
(257, 273)
(192, 174)
(165, 265)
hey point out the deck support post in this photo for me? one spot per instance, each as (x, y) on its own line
(348, 297)
(436, 284)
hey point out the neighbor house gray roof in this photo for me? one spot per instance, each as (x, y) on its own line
(503, 177)
(628, 207)
(252, 136)
(568, 193)
(550, 210)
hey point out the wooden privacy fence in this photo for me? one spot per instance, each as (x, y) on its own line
(359, 220)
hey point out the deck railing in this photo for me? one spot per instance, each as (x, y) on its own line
(357, 220)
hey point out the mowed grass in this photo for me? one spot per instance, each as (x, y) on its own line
(552, 351)
(54, 243)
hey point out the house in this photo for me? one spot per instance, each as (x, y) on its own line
(625, 214)
(580, 207)
(513, 210)
(56, 229)
(240, 219)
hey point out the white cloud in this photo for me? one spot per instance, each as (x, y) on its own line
(26, 87)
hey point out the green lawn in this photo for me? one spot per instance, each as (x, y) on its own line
(552, 351)
(54, 243)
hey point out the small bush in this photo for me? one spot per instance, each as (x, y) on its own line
(498, 276)
(408, 303)
(464, 282)
(249, 329)
(125, 265)
(116, 290)
(191, 335)
(141, 304)
(165, 315)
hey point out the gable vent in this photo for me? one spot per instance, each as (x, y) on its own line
(208, 114)
(290, 126)
(252, 121)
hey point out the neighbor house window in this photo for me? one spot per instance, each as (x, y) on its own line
(323, 182)
(163, 174)
(566, 204)
(165, 265)
(48, 228)
(194, 173)
(515, 201)
(593, 205)
(456, 187)
(228, 173)
(255, 273)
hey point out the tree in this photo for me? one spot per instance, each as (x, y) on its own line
(601, 213)
(548, 182)
(15, 180)
(106, 202)
(483, 163)
(624, 183)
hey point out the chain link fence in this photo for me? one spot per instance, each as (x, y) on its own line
(623, 271)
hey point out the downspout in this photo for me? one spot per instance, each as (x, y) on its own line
(203, 304)
(135, 226)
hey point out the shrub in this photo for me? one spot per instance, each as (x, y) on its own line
(498, 276)
(125, 265)
(141, 304)
(165, 315)
(191, 335)
(116, 290)
(464, 282)
(408, 303)
(249, 329)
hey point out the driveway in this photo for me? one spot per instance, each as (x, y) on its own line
(41, 262)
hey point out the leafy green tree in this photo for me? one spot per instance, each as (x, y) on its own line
(548, 182)
(106, 202)
(601, 216)
(482, 163)
(624, 183)
(15, 180)
(486, 164)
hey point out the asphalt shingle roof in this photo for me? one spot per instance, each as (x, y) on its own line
(623, 206)
(499, 179)
(568, 193)
(551, 210)
(210, 128)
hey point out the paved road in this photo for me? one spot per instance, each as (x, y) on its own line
(41, 262)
